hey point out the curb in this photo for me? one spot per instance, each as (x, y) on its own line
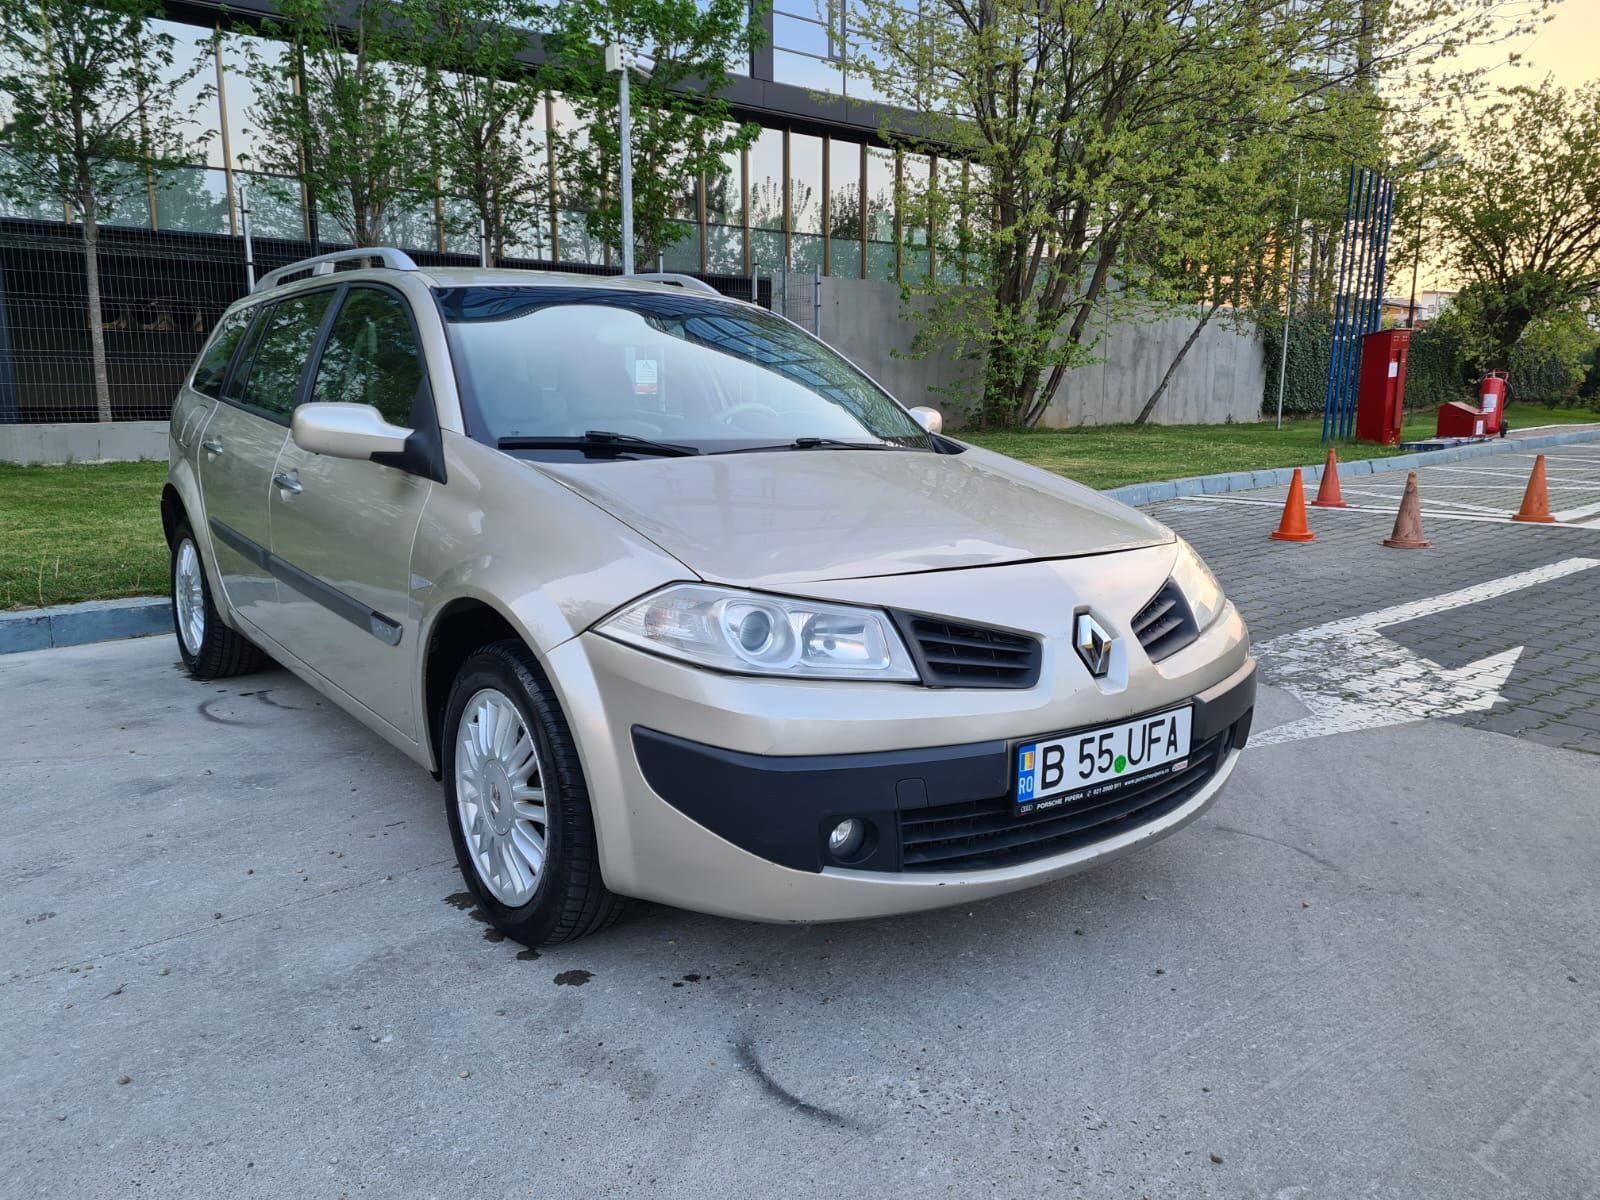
(1140, 494)
(80, 624)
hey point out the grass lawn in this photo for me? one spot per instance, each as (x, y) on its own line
(94, 532)
(1111, 455)
(80, 533)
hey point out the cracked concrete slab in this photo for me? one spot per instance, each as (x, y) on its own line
(1370, 970)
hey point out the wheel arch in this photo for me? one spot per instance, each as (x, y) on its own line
(173, 509)
(462, 626)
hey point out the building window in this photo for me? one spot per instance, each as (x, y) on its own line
(881, 257)
(805, 202)
(197, 120)
(766, 199)
(725, 218)
(844, 208)
(807, 44)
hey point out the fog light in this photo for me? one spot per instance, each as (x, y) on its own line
(846, 838)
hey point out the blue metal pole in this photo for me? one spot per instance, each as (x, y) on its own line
(1386, 223)
(1351, 367)
(1378, 234)
(1352, 301)
(1339, 304)
(1370, 308)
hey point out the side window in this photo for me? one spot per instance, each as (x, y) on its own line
(241, 370)
(286, 346)
(213, 366)
(371, 356)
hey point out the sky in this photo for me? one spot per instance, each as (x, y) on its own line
(1566, 48)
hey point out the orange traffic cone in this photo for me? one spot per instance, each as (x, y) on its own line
(1293, 527)
(1536, 500)
(1407, 533)
(1328, 494)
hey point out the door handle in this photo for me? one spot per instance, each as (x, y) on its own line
(289, 481)
(212, 446)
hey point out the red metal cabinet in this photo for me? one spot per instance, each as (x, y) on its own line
(1381, 402)
(1458, 420)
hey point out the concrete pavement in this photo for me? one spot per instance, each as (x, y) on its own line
(1370, 971)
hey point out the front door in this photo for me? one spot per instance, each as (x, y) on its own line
(241, 443)
(342, 530)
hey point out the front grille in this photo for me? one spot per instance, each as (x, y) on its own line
(979, 834)
(1165, 625)
(952, 654)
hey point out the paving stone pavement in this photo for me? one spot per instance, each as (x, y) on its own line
(1553, 693)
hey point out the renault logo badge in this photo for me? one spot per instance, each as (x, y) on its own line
(1093, 644)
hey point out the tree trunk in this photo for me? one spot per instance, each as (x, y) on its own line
(97, 328)
(1002, 396)
(1172, 368)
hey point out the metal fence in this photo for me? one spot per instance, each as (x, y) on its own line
(161, 295)
(798, 296)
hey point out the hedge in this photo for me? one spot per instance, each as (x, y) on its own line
(1433, 372)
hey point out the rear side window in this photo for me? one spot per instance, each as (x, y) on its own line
(371, 356)
(213, 366)
(247, 352)
(273, 385)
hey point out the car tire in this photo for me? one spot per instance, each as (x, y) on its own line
(210, 649)
(524, 836)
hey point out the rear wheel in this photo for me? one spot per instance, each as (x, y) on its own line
(210, 649)
(517, 804)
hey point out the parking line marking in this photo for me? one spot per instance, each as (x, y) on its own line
(1482, 508)
(1431, 513)
(1573, 514)
(1352, 677)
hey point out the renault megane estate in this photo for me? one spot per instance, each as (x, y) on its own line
(680, 605)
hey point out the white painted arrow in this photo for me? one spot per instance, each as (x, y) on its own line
(1352, 677)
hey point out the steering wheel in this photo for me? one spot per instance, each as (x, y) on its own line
(748, 406)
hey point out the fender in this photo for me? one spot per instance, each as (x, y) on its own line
(181, 495)
(492, 554)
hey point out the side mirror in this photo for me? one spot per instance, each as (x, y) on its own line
(929, 418)
(346, 431)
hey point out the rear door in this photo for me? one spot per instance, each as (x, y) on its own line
(242, 441)
(342, 530)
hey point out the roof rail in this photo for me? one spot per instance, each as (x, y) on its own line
(675, 278)
(323, 264)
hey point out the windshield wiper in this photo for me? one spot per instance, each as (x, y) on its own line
(813, 443)
(602, 440)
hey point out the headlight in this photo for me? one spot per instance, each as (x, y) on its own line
(754, 634)
(1199, 586)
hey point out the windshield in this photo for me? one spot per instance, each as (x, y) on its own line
(693, 371)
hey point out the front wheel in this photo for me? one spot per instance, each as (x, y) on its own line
(210, 649)
(517, 804)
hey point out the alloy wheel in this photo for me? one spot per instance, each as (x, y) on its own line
(500, 797)
(189, 597)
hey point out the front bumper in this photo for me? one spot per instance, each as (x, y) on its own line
(937, 809)
(715, 792)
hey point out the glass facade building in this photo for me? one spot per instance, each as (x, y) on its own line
(816, 191)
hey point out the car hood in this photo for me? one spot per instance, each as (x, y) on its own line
(766, 518)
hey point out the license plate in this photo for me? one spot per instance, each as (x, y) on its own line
(1097, 762)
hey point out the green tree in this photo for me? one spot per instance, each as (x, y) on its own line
(91, 93)
(680, 125)
(482, 100)
(346, 110)
(1519, 212)
(1101, 128)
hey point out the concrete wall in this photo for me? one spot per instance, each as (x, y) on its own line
(88, 441)
(1221, 379)
(861, 319)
